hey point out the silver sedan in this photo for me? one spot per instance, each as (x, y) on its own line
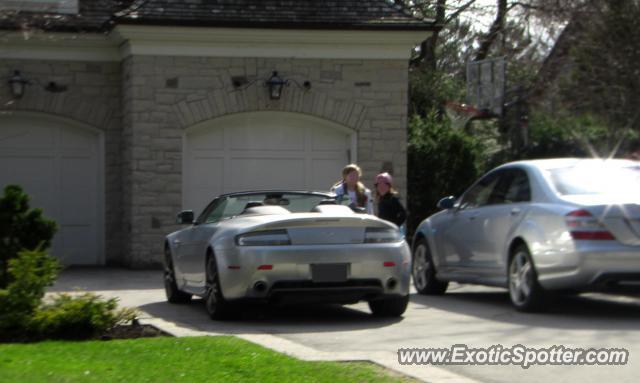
(534, 227)
(286, 247)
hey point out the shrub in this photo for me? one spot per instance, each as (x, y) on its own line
(441, 161)
(27, 270)
(20, 228)
(32, 272)
(78, 317)
(23, 316)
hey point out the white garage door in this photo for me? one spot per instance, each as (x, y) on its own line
(58, 164)
(262, 150)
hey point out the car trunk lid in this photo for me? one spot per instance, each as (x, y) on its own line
(314, 230)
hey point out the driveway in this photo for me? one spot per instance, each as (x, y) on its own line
(471, 315)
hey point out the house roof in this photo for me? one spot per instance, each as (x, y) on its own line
(92, 16)
(96, 15)
(323, 14)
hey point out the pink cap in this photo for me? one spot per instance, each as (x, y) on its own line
(384, 177)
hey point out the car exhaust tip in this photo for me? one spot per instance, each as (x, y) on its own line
(260, 286)
(392, 283)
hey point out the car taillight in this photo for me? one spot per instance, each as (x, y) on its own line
(264, 238)
(381, 235)
(584, 226)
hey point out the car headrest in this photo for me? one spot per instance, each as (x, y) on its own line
(253, 204)
(265, 210)
(332, 209)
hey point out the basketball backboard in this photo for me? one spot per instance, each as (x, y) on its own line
(486, 84)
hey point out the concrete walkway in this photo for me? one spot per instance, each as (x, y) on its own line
(267, 327)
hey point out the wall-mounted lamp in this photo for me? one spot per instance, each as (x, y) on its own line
(17, 85)
(274, 84)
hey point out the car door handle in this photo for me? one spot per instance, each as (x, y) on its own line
(176, 242)
(515, 211)
(472, 217)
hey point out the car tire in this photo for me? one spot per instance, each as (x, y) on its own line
(217, 307)
(174, 295)
(423, 271)
(525, 292)
(389, 307)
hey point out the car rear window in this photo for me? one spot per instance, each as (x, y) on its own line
(597, 178)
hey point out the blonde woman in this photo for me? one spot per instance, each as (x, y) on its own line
(351, 187)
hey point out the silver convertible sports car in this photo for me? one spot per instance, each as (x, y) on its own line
(286, 247)
(534, 227)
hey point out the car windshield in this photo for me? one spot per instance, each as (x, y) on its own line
(600, 178)
(294, 202)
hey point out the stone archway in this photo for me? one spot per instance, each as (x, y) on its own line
(262, 150)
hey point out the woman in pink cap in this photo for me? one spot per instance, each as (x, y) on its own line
(389, 206)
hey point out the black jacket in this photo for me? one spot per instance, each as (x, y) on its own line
(390, 209)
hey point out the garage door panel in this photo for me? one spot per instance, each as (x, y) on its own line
(267, 173)
(74, 243)
(15, 135)
(76, 140)
(267, 138)
(266, 154)
(206, 174)
(326, 140)
(78, 154)
(36, 176)
(57, 164)
(208, 140)
(264, 150)
(77, 175)
(325, 170)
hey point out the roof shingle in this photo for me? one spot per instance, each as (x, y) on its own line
(96, 15)
(323, 14)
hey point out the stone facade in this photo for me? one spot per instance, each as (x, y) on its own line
(164, 95)
(143, 105)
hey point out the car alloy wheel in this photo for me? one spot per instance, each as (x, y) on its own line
(424, 272)
(524, 290)
(174, 295)
(217, 307)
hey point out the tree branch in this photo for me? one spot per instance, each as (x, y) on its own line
(458, 11)
(496, 28)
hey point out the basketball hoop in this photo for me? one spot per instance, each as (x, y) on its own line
(460, 114)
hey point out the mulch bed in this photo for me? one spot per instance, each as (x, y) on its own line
(133, 331)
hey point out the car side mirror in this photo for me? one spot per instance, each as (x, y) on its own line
(185, 217)
(447, 202)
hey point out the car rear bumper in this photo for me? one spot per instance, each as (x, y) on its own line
(372, 271)
(594, 270)
(352, 291)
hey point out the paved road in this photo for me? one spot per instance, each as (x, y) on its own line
(476, 316)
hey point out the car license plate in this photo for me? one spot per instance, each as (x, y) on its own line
(329, 272)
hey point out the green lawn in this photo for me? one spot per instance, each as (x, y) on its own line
(171, 360)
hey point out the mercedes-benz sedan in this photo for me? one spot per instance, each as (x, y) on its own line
(535, 227)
